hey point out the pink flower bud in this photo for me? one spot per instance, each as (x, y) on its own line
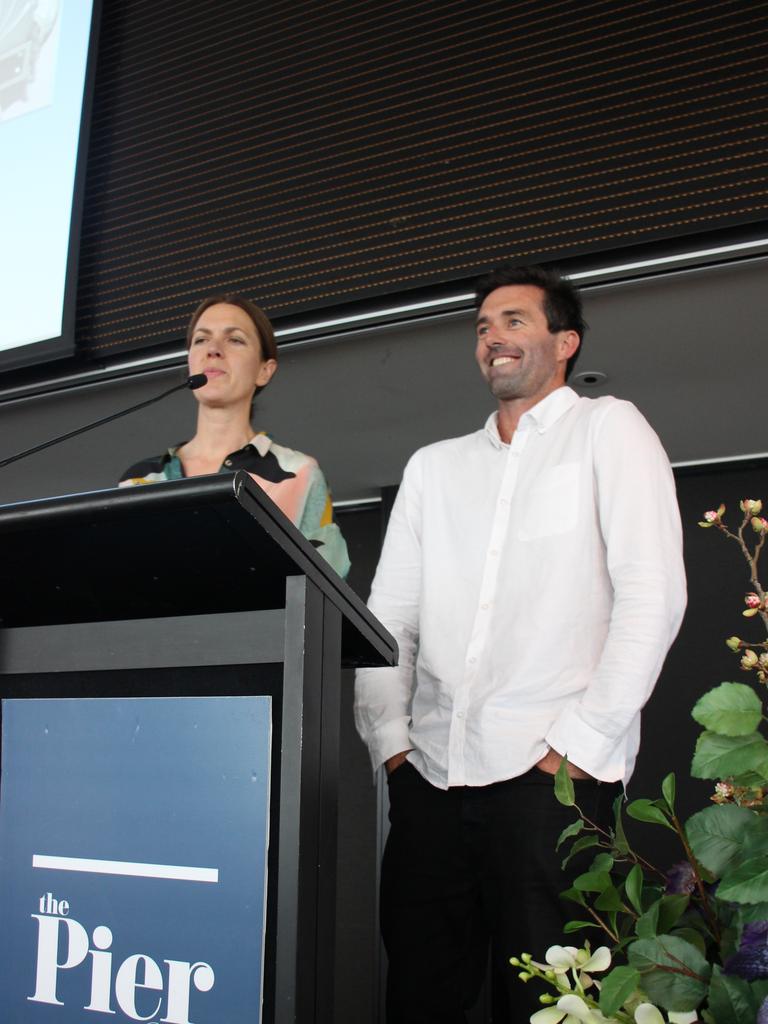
(752, 506)
(733, 642)
(753, 603)
(712, 516)
(759, 524)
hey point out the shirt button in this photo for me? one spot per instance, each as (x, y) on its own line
(459, 714)
(472, 660)
(504, 501)
(227, 462)
(484, 607)
(495, 552)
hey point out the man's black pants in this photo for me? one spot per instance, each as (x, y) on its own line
(470, 866)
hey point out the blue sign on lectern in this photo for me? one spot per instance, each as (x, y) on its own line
(133, 859)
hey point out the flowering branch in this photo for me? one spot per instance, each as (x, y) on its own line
(757, 600)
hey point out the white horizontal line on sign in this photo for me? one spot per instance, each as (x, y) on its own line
(124, 867)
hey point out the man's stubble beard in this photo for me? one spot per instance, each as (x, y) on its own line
(504, 389)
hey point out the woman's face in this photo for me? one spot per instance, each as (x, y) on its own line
(226, 347)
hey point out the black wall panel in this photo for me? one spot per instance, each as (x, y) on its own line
(314, 152)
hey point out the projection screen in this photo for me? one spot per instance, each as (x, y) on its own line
(45, 85)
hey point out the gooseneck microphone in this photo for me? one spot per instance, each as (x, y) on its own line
(197, 380)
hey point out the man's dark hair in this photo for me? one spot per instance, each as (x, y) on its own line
(561, 303)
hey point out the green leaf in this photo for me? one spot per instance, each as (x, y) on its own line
(671, 909)
(616, 989)
(718, 757)
(717, 834)
(731, 999)
(602, 862)
(675, 975)
(647, 925)
(609, 899)
(619, 838)
(728, 940)
(668, 789)
(571, 830)
(574, 896)
(633, 886)
(619, 946)
(592, 881)
(747, 913)
(746, 883)
(695, 938)
(731, 709)
(575, 926)
(646, 810)
(760, 989)
(564, 785)
(749, 780)
(581, 844)
(756, 837)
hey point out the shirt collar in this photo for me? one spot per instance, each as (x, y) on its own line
(262, 442)
(542, 416)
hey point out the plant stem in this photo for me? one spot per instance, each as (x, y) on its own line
(606, 928)
(631, 854)
(751, 559)
(711, 919)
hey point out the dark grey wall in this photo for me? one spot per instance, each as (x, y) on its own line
(687, 348)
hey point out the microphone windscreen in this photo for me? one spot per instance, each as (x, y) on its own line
(197, 380)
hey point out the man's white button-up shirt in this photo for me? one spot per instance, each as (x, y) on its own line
(534, 590)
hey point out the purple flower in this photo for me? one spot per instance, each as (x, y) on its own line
(680, 879)
(762, 1013)
(751, 960)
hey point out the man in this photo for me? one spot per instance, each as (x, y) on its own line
(532, 576)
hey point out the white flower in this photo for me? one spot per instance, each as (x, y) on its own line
(599, 961)
(570, 1009)
(549, 1016)
(561, 958)
(646, 1013)
(565, 958)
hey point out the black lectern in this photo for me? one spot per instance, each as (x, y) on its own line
(188, 595)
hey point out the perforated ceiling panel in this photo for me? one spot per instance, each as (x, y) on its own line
(312, 153)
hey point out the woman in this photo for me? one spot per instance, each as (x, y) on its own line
(231, 341)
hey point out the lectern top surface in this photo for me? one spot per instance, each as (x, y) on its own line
(188, 547)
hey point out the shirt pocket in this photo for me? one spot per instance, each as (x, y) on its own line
(551, 505)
